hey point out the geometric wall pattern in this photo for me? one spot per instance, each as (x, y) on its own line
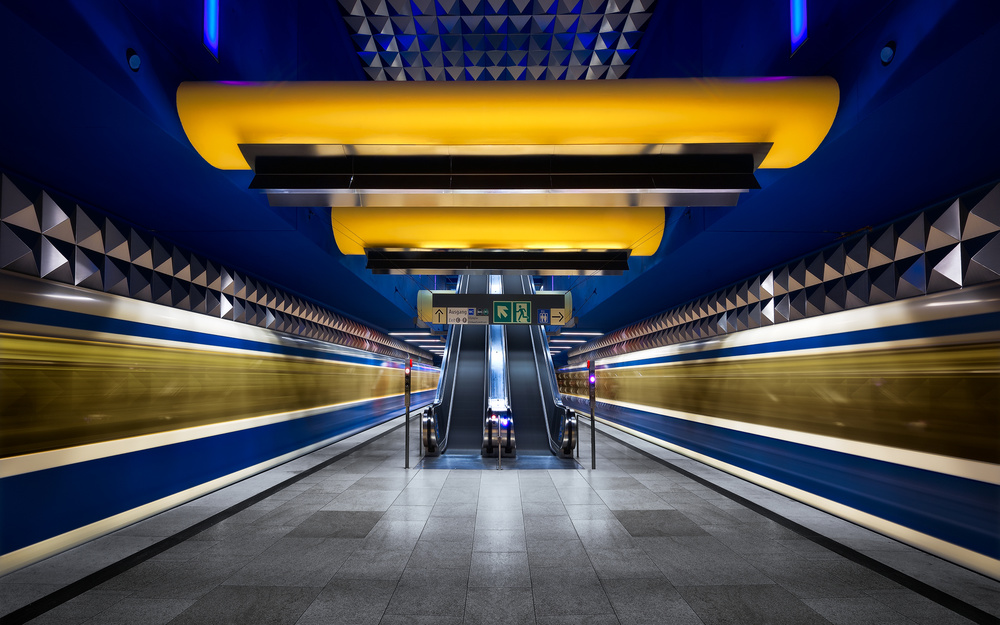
(496, 39)
(942, 248)
(62, 241)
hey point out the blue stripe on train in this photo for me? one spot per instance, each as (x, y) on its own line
(987, 322)
(50, 502)
(26, 313)
(954, 509)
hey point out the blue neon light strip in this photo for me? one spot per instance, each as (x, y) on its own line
(211, 37)
(799, 23)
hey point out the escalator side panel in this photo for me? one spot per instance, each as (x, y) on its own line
(468, 405)
(529, 405)
(464, 399)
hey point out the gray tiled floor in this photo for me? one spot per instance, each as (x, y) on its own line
(365, 541)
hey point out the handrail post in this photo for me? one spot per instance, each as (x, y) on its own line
(576, 426)
(592, 380)
(406, 417)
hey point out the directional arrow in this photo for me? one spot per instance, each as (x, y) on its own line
(502, 312)
(559, 318)
(437, 315)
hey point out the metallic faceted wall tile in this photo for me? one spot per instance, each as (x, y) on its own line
(17, 249)
(984, 217)
(981, 257)
(87, 233)
(496, 39)
(58, 240)
(116, 241)
(87, 267)
(15, 207)
(140, 249)
(944, 247)
(56, 222)
(55, 260)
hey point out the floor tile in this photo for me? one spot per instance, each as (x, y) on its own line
(499, 540)
(248, 605)
(645, 523)
(918, 608)
(350, 602)
(417, 497)
(507, 606)
(411, 619)
(384, 565)
(577, 495)
(563, 574)
(857, 611)
(557, 553)
(548, 528)
(456, 529)
(577, 619)
(393, 535)
(177, 580)
(138, 610)
(500, 520)
(306, 562)
(748, 605)
(441, 554)
(428, 598)
(360, 500)
(648, 601)
(397, 512)
(815, 579)
(549, 508)
(604, 535)
(638, 498)
(336, 524)
(622, 563)
(569, 596)
(590, 512)
(82, 608)
(499, 570)
(454, 509)
(700, 561)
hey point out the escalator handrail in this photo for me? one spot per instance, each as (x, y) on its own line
(543, 361)
(442, 381)
(457, 331)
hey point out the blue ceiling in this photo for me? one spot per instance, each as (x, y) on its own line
(75, 118)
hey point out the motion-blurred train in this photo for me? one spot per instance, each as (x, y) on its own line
(887, 415)
(113, 409)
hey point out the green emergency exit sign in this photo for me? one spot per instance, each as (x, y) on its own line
(511, 312)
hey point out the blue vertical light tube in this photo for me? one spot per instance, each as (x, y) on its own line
(799, 23)
(211, 30)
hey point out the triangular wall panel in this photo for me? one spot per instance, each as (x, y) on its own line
(590, 39)
(59, 240)
(942, 248)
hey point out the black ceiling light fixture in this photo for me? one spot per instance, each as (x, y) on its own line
(888, 53)
(133, 59)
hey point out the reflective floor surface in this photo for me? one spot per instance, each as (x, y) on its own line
(353, 537)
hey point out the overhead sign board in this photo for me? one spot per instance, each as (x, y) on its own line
(448, 307)
(467, 316)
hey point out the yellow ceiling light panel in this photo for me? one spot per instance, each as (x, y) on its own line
(521, 228)
(793, 114)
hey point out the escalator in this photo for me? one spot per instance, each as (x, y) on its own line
(541, 422)
(507, 391)
(455, 419)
